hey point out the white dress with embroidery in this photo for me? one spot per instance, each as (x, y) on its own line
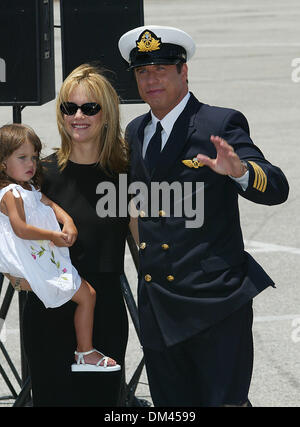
(46, 267)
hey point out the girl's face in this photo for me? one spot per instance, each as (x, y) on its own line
(21, 164)
(82, 128)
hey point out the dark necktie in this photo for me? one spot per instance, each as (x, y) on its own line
(154, 147)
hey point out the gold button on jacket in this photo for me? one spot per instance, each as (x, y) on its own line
(170, 278)
(148, 278)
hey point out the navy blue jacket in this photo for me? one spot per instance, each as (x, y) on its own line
(192, 278)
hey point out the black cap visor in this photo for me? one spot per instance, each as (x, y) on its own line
(168, 54)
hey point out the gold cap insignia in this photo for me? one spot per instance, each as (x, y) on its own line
(193, 163)
(148, 42)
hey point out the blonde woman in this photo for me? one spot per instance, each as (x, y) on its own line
(92, 151)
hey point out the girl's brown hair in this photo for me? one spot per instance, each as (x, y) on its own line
(12, 136)
(113, 152)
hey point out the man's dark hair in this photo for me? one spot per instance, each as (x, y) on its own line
(179, 68)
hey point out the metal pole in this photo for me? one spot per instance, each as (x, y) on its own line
(17, 116)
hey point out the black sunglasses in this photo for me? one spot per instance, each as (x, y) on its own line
(88, 109)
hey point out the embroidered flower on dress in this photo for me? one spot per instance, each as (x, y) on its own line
(40, 252)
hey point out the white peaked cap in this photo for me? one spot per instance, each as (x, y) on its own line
(151, 44)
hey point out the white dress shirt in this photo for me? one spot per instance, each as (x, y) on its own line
(167, 124)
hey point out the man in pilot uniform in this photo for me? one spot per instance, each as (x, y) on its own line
(196, 284)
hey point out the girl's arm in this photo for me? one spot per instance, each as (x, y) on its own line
(14, 209)
(63, 218)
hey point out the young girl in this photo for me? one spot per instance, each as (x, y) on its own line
(33, 247)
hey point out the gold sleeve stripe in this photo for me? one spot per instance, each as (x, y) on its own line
(261, 175)
(256, 174)
(264, 182)
(260, 178)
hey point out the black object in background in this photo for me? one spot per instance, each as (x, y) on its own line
(27, 75)
(90, 33)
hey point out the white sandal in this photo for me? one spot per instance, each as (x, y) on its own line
(81, 366)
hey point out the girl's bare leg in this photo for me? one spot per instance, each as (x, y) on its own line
(85, 298)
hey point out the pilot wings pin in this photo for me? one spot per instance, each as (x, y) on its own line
(193, 163)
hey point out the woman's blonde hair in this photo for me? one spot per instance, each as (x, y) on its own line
(113, 152)
(12, 137)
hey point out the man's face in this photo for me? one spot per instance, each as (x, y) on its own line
(161, 86)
